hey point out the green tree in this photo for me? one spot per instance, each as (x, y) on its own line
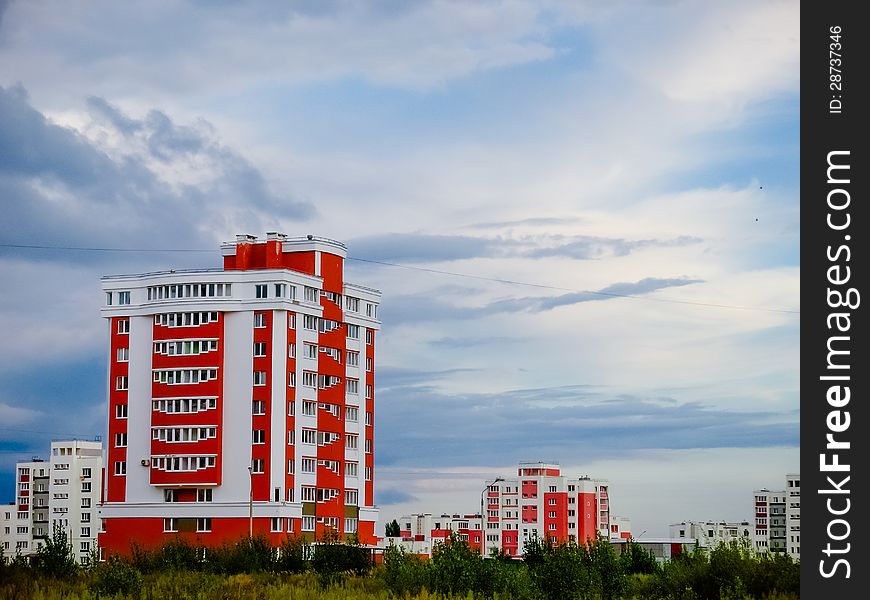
(56, 557)
(392, 529)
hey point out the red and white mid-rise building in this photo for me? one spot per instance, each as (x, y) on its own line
(241, 399)
(540, 502)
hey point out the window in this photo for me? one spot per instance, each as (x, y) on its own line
(120, 440)
(275, 524)
(352, 359)
(169, 525)
(291, 379)
(184, 376)
(350, 525)
(368, 473)
(309, 436)
(120, 467)
(370, 392)
(309, 408)
(188, 319)
(85, 546)
(351, 469)
(86, 532)
(309, 465)
(260, 290)
(309, 379)
(86, 502)
(351, 497)
(291, 350)
(259, 436)
(368, 419)
(309, 322)
(204, 495)
(123, 355)
(309, 494)
(311, 294)
(370, 336)
(123, 298)
(108, 298)
(291, 408)
(368, 446)
(259, 377)
(351, 303)
(353, 331)
(257, 466)
(121, 383)
(86, 486)
(353, 386)
(291, 437)
(351, 413)
(370, 364)
(281, 290)
(123, 326)
(120, 411)
(291, 466)
(259, 320)
(189, 290)
(309, 350)
(307, 523)
(258, 407)
(259, 349)
(291, 317)
(352, 441)
(552, 502)
(203, 524)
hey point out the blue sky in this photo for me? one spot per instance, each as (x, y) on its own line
(641, 148)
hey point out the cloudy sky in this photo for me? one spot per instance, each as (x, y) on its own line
(635, 162)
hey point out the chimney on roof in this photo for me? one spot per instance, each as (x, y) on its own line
(275, 236)
(245, 238)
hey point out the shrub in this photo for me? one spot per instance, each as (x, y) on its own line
(117, 577)
(56, 557)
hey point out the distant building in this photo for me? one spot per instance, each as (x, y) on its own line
(709, 534)
(778, 518)
(241, 399)
(65, 491)
(539, 502)
(793, 515)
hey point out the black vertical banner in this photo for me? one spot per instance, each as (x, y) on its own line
(835, 223)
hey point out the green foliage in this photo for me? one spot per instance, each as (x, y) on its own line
(56, 557)
(404, 573)
(558, 571)
(636, 559)
(117, 577)
(291, 556)
(392, 529)
(251, 569)
(333, 559)
(456, 568)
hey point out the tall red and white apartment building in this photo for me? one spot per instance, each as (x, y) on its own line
(241, 399)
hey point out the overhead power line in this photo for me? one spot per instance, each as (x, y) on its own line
(439, 272)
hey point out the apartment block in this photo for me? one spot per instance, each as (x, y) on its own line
(241, 399)
(64, 492)
(709, 534)
(793, 515)
(540, 502)
(770, 521)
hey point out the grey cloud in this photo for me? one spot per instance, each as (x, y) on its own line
(588, 247)
(532, 221)
(420, 247)
(420, 426)
(64, 189)
(414, 308)
(392, 496)
(470, 342)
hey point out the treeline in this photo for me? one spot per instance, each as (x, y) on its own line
(251, 568)
(563, 571)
